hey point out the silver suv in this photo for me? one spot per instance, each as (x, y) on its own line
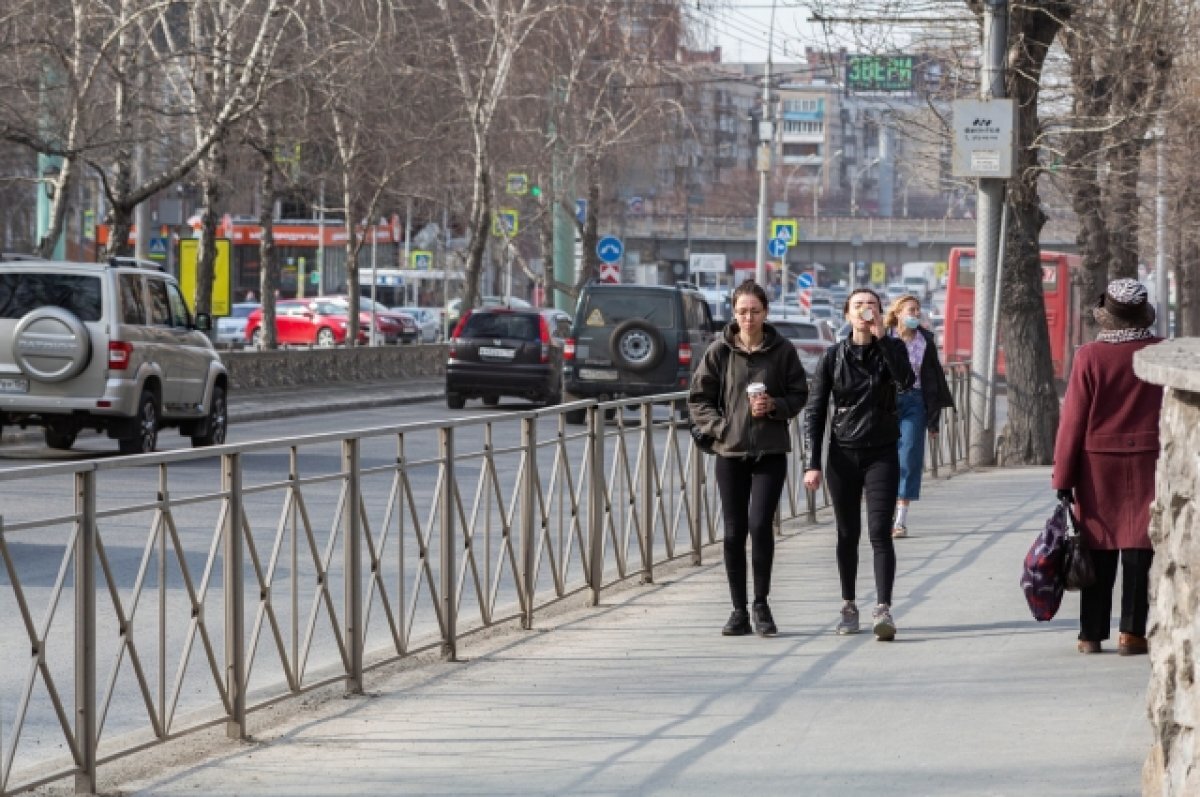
(106, 346)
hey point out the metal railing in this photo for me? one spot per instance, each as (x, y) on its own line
(203, 585)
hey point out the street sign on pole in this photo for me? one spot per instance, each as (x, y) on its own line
(777, 247)
(580, 210)
(804, 280)
(516, 184)
(505, 223)
(786, 229)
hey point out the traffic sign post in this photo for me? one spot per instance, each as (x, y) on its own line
(777, 247)
(516, 184)
(804, 289)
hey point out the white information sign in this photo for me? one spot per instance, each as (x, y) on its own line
(984, 138)
(707, 264)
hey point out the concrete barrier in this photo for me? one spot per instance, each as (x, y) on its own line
(250, 369)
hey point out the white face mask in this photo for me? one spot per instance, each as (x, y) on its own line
(912, 321)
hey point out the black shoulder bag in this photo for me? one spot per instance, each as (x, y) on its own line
(703, 440)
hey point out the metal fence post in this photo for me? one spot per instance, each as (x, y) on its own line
(695, 499)
(448, 558)
(646, 527)
(85, 632)
(352, 551)
(528, 513)
(235, 598)
(597, 502)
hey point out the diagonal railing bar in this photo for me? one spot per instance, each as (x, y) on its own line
(125, 631)
(561, 481)
(375, 552)
(625, 479)
(37, 640)
(266, 608)
(425, 573)
(280, 539)
(506, 554)
(323, 596)
(197, 624)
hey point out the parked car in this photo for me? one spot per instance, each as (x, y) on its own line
(811, 339)
(319, 322)
(454, 306)
(634, 340)
(106, 346)
(231, 329)
(392, 326)
(429, 322)
(498, 351)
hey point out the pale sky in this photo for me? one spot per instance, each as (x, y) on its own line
(741, 29)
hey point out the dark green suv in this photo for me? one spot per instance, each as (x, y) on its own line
(634, 340)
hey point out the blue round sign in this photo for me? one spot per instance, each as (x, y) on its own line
(777, 247)
(609, 249)
(804, 280)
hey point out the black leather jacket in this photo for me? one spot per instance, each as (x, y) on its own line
(858, 385)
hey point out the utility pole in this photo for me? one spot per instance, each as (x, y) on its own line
(1162, 287)
(766, 134)
(989, 207)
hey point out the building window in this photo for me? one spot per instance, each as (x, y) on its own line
(802, 106)
(798, 127)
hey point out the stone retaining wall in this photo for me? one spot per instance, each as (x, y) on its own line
(284, 368)
(1172, 768)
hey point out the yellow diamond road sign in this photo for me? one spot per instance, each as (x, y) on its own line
(785, 229)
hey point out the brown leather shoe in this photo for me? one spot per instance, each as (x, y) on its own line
(1131, 645)
(1088, 646)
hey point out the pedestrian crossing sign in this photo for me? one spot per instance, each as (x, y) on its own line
(786, 230)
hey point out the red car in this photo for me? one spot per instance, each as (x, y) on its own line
(394, 326)
(320, 321)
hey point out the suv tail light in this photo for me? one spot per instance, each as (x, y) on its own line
(458, 328)
(544, 332)
(685, 354)
(569, 349)
(119, 352)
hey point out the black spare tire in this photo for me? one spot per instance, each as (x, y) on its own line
(51, 344)
(637, 344)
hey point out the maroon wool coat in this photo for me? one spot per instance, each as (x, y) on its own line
(1107, 445)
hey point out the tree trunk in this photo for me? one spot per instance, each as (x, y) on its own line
(1124, 162)
(1032, 400)
(481, 217)
(206, 254)
(268, 256)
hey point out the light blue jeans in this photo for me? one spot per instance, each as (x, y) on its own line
(911, 408)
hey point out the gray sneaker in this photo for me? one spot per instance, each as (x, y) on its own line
(882, 623)
(849, 622)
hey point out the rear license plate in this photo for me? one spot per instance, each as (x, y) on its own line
(14, 385)
(598, 374)
(502, 354)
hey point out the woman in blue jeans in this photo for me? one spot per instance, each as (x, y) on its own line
(920, 407)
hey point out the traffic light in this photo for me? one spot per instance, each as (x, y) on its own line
(535, 191)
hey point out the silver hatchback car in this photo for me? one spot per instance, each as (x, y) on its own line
(106, 346)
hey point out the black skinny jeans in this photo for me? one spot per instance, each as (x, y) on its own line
(1095, 602)
(750, 491)
(849, 473)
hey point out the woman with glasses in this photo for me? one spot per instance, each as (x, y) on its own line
(749, 384)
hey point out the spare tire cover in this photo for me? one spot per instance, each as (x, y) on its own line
(51, 344)
(637, 345)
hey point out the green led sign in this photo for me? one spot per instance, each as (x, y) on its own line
(880, 73)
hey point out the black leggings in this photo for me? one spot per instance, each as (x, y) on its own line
(1095, 602)
(750, 491)
(849, 473)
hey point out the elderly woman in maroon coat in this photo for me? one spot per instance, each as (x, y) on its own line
(1104, 459)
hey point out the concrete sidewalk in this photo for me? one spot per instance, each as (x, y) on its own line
(642, 695)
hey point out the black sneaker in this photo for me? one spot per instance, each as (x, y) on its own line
(764, 623)
(738, 625)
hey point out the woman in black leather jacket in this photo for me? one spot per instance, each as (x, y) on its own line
(855, 384)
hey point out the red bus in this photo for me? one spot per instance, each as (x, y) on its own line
(1062, 309)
